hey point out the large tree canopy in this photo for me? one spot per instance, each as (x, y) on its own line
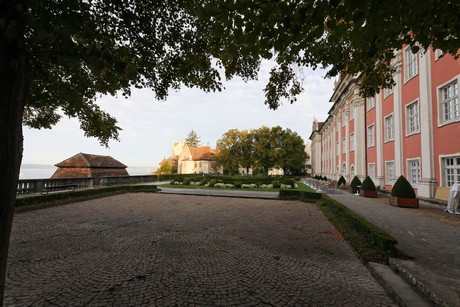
(346, 36)
(261, 148)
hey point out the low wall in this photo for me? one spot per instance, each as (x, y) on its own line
(29, 186)
(107, 181)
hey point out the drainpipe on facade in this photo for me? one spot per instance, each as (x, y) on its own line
(365, 138)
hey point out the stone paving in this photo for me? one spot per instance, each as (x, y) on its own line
(156, 249)
(428, 234)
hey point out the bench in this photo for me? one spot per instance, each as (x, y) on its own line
(442, 193)
(65, 187)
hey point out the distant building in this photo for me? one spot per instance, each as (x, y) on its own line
(275, 171)
(89, 166)
(197, 160)
(186, 159)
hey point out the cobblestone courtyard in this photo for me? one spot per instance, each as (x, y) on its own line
(153, 249)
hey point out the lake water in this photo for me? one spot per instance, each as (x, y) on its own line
(46, 171)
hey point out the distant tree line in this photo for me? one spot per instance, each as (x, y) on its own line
(260, 150)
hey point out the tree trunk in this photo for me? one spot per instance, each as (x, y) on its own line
(12, 88)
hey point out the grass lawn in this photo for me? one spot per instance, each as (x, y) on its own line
(300, 186)
(303, 187)
(183, 186)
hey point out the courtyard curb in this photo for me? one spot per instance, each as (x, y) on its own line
(396, 286)
(412, 280)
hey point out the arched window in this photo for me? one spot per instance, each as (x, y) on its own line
(344, 169)
(352, 171)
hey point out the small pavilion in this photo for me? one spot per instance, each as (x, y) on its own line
(84, 165)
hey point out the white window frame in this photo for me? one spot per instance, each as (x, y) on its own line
(441, 117)
(410, 64)
(390, 177)
(369, 173)
(369, 138)
(344, 169)
(389, 133)
(410, 171)
(352, 171)
(416, 116)
(444, 174)
(387, 92)
(338, 148)
(352, 141)
(370, 103)
(352, 111)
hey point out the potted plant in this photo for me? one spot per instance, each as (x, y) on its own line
(355, 185)
(341, 182)
(403, 194)
(368, 188)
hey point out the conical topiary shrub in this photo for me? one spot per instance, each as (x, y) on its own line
(368, 188)
(403, 194)
(354, 184)
(341, 181)
(368, 184)
(403, 188)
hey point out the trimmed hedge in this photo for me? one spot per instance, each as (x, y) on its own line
(355, 182)
(403, 188)
(79, 195)
(341, 181)
(319, 177)
(368, 185)
(236, 180)
(300, 195)
(370, 242)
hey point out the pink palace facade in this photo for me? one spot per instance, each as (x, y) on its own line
(412, 129)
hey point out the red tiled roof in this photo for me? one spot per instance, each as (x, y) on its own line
(86, 172)
(205, 153)
(82, 160)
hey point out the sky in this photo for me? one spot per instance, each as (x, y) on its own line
(150, 126)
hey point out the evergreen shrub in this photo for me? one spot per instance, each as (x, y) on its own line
(212, 182)
(341, 181)
(402, 188)
(288, 181)
(296, 194)
(368, 185)
(355, 182)
(276, 184)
